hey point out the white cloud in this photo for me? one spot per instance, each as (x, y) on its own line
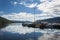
(27, 16)
(49, 7)
(20, 16)
(32, 5)
(28, 5)
(15, 2)
(22, 3)
(56, 11)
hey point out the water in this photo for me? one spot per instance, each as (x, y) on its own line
(16, 31)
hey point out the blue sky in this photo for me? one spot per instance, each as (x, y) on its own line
(9, 6)
(24, 9)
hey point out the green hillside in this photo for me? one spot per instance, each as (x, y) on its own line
(3, 22)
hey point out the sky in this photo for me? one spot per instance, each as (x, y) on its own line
(27, 10)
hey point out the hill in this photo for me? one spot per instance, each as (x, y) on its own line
(51, 20)
(3, 22)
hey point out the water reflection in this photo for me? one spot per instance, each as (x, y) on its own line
(4, 35)
(16, 31)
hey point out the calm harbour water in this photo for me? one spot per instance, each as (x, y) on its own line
(16, 31)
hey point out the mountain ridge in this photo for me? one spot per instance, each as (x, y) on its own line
(50, 20)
